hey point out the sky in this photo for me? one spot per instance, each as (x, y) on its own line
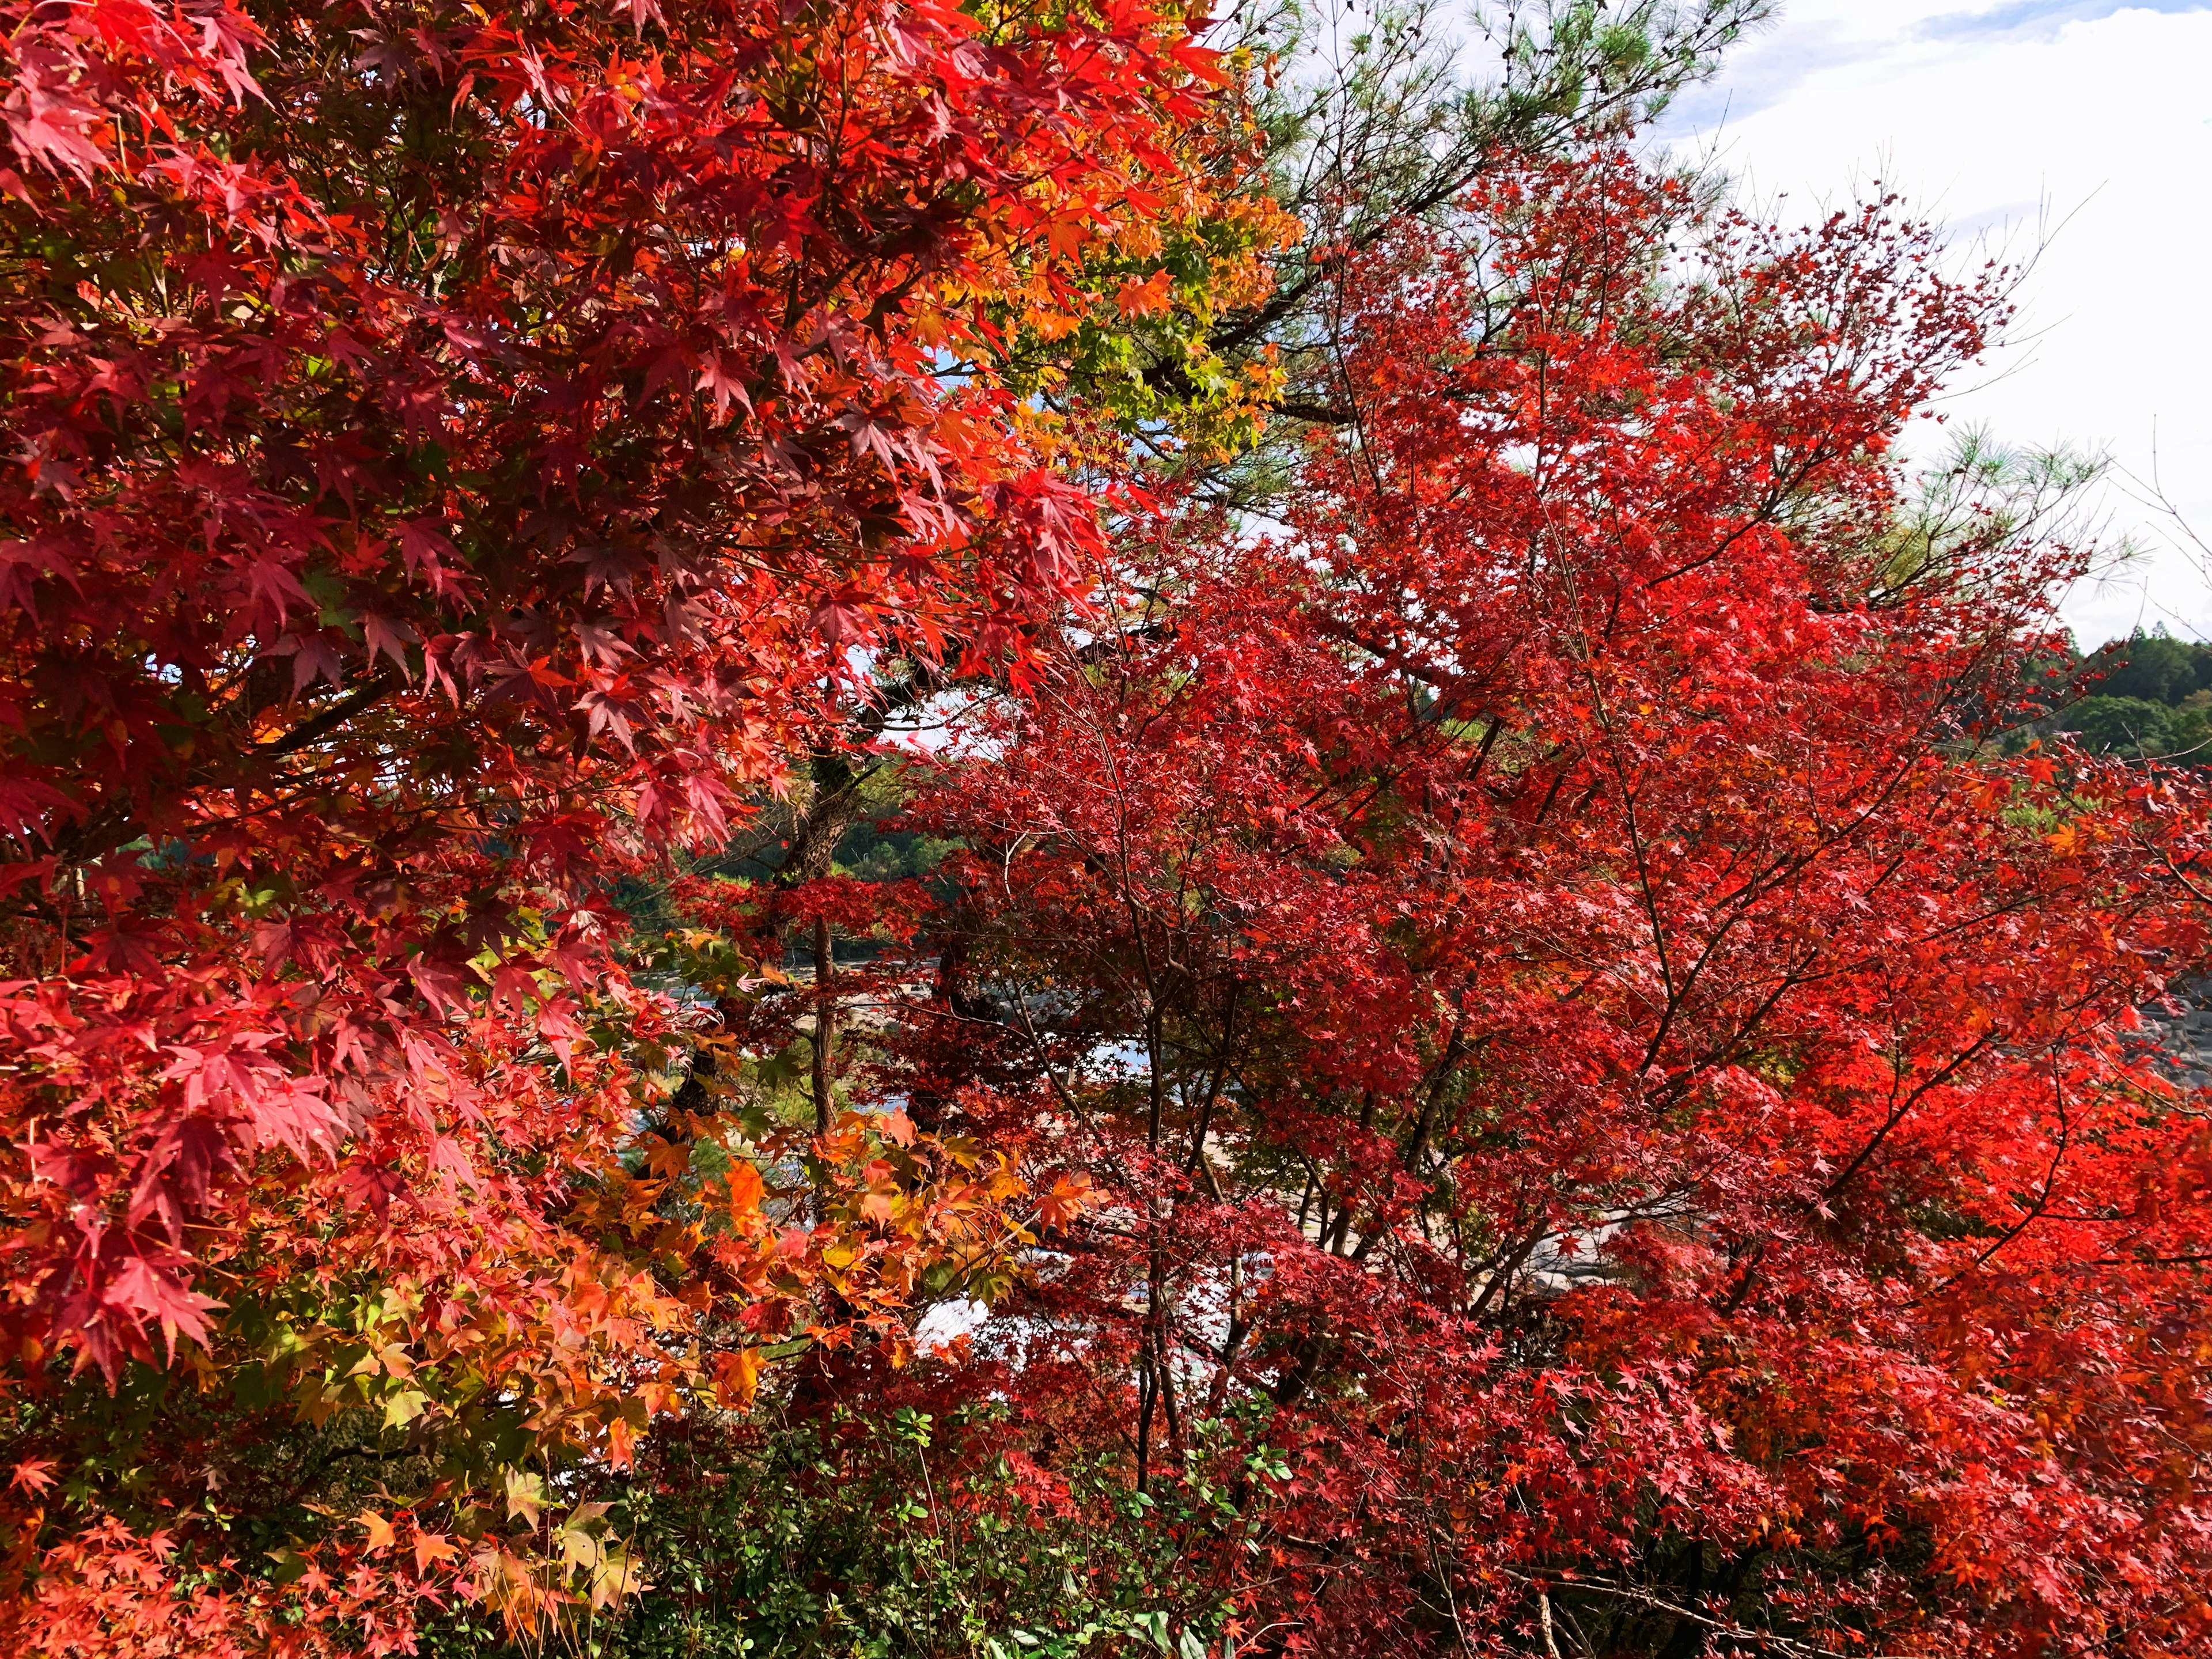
(2076, 132)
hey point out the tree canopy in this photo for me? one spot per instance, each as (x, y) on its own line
(888, 828)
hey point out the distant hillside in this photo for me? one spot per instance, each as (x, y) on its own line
(2147, 694)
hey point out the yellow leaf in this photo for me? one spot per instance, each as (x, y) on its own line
(526, 1496)
(404, 1408)
(614, 1576)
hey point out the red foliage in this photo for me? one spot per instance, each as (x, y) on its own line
(459, 451)
(1620, 1112)
(1592, 1101)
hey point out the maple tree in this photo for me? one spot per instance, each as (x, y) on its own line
(1620, 1112)
(460, 454)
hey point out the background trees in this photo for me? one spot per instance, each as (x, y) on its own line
(2146, 695)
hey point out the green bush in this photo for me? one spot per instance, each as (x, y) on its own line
(841, 1538)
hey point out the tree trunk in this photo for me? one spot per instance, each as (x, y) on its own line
(825, 1025)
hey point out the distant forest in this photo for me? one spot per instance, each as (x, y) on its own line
(2147, 694)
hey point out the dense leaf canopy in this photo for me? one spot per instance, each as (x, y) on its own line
(1609, 1087)
(460, 453)
(801, 855)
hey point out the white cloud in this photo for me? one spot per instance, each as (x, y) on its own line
(945, 1323)
(2087, 122)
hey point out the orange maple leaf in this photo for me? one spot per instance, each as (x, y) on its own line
(430, 1547)
(1146, 299)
